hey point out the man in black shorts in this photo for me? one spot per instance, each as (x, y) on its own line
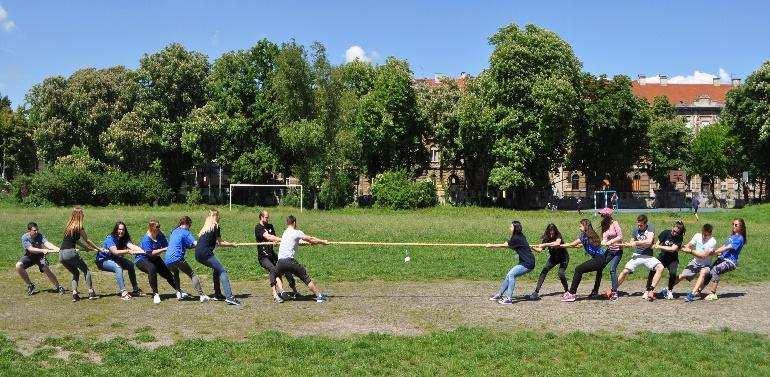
(290, 241)
(264, 232)
(36, 246)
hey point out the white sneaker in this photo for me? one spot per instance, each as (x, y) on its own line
(205, 298)
(669, 295)
(644, 296)
(182, 295)
(156, 299)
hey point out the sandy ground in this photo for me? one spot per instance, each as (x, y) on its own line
(401, 308)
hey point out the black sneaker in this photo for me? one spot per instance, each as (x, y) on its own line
(92, 295)
(60, 289)
(277, 299)
(137, 293)
(75, 297)
(218, 298)
(534, 296)
(232, 301)
(30, 289)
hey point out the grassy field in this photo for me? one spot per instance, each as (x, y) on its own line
(358, 263)
(460, 352)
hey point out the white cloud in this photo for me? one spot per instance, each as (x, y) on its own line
(356, 52)
(696, 77)
(6, 22)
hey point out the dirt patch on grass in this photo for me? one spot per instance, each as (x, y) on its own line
(404, 308)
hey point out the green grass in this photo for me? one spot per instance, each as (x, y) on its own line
(348, 263)
(459, 352)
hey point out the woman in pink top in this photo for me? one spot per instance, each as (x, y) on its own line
(612, 237)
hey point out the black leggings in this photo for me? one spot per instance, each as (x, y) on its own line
(548, 266)
(184, 267)
(672, 265)
(594, 264)
(154, 267)
(269, 262)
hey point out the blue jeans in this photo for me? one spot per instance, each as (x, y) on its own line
(613, 259)
(509, 282)
(219, 276)
(117, 265)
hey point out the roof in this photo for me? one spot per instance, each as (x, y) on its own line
(681, 93)
(462, 81)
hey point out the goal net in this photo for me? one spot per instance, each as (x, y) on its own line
(266, 195)
(606, 198)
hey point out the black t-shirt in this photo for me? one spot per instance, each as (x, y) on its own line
(206, 244)
(70, 240)
(557, 253)
(259, 231)
(667, 239)
(519, 244)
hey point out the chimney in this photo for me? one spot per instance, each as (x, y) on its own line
(716, 81)
(736, 81)
(640, 79)
(663, 80)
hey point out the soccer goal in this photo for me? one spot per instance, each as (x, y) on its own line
(234, 186)
(606, 198)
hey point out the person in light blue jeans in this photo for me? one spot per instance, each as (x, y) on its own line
(519, 244)
(110, 259)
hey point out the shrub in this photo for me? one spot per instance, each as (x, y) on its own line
(397, 190)
(336, 192)
(64, 184)
(194, 197)
(291, 198)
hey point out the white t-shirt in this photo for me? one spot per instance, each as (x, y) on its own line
(289, 242)
(710, 244)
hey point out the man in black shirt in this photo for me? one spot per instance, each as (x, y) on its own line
(669, 243)
(264, 232)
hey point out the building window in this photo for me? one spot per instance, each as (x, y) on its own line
(435, 155)
(575, 180)
(636, 183)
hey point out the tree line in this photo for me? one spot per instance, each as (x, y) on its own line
(285, 108)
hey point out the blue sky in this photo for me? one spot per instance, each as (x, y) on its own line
(45, 38)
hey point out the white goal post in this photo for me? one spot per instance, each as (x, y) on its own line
(264, 185)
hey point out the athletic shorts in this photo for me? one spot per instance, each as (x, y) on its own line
(692, 270)
(641, 260)
(28, 261)
(721, 267)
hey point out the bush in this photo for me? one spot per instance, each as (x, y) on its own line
(291, 198)
(64, 185)
(336, 192)
(397, 190)
(194, 197)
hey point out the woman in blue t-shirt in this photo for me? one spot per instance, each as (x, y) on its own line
(728, 254)
(520, 245)
(110, 259)
(153, 244)
(589, 240)
(181, 239)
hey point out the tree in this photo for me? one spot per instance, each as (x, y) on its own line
(238, 126)
(747, 115)
(438, 110)
(613, 135)
(17, 150)
(669, 141)
(531, 91)
(173, 81)
(712, 154)
(388, 124)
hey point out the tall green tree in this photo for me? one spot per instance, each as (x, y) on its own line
(747, 115)
(173, 81)
(613, 135)
(712, 154)
(238, 126)
(388, 123)
(438, 110)
(17, 149)
(669, 141)
(531, 87)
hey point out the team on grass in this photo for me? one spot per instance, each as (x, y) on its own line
(606, 248)
(111, 257)
(603, 249)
